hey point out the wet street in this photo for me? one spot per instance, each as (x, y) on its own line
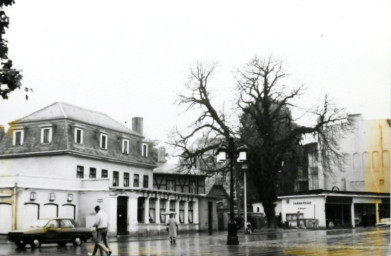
(361, 241)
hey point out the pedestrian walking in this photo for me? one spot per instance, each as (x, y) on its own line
(101, 224)
(172, 228)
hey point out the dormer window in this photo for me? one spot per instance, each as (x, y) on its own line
(79, 135)
(46, 135)
(103, 141)
(144, 150)
(18, 137)
(125, 146)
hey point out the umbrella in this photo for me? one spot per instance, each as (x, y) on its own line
(168, 213)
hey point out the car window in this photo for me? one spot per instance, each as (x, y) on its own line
(39, 223)
(53, 222)
(67, 224)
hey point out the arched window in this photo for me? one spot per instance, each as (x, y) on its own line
(386, 159)
(365, 161)
(375, 160)
(356, 162)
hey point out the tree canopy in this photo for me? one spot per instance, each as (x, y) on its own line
(267, 126)
(10, 77)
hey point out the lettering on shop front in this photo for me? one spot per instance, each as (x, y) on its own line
(301, 203)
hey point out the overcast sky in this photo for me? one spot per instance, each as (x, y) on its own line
(128, 58)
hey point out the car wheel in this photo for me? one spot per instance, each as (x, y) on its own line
(20, 244)
(62, 243)
(77, 241)
(36, 242)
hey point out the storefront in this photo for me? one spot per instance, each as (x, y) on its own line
(328, 209)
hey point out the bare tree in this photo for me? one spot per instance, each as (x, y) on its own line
(210, 127)
(268, 128)
(266, 104)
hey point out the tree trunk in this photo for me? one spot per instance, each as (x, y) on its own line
(268, 206)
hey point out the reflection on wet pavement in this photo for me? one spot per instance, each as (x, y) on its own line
(369, 241)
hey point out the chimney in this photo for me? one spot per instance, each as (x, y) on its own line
(137, 124)
(161, 155)
(2, 132)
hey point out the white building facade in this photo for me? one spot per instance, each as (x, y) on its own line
(64, 160)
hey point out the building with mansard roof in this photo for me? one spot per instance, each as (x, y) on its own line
(63, 160)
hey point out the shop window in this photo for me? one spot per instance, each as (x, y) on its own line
(136, 181)
(92, 173)
(172, 206)
(80, 172)
(126, 179)
(115, 178)
(190, 212)
(163, 203)
(152, 210)
(181, 212)
(140, 209)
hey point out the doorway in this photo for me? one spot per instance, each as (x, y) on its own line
(122, 215)
(210, 217)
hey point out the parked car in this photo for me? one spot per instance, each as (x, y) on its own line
(53, 230)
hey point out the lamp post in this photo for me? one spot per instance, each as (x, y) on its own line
(232, 153)
(244, 167)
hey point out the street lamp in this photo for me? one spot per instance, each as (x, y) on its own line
(232, 153)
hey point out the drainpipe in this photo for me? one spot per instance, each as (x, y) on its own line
(14, 207)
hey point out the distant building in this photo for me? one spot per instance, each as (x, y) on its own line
(354, 194)
(63, 160)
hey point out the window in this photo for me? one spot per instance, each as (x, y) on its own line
(46, 135)
(18, 138)
(181, 212)
(67, 223)
(52, 197)
(152, 210)
(375, 160)
(140, 209)
(52, 223)
(125, 146)
(33, 196)
(381, 182)
(104, 173)
(163, 203)
(171, 185)
(190, 212)
(145, 181)
(103, 141)
(126, 179)
(80, 172)
(172, 206)
(136, 181)
(201, 187)
(115, 178)
(144, 150)
(79, 135)
(92, 173)
(193, 187)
